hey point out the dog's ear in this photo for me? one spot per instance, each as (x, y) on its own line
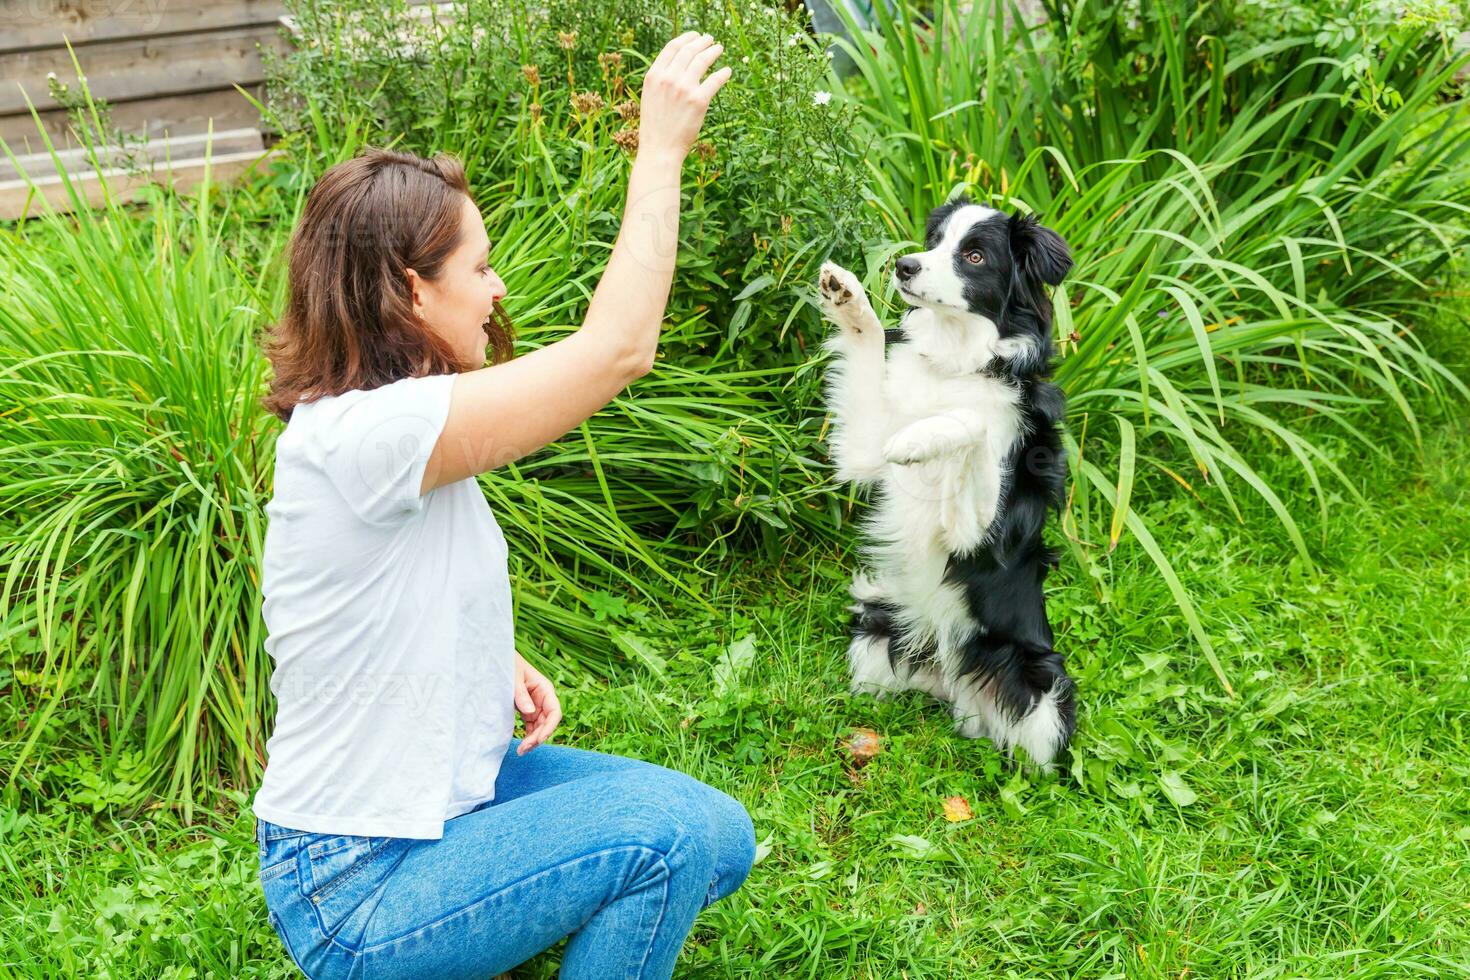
(1038, 250)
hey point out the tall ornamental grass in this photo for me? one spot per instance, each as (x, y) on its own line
(136, 462)
(1261, 213)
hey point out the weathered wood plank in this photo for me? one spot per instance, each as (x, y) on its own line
(42, 23)
(165, 68)
(176, 114)
(135, 69)
(153, 153)
(17, 197)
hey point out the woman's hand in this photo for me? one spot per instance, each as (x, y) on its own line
(537, 704)
(674, 98)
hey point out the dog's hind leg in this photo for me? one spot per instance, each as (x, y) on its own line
(1024, 697)
(854, 381)
(880, 657)
(867, 662)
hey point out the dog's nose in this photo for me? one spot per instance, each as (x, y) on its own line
(907, 267)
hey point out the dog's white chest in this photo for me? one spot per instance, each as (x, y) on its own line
(947, 502)
(915, 390)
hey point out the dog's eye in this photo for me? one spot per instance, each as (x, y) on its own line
(974, 257)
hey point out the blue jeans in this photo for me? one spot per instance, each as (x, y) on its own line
(619, 854)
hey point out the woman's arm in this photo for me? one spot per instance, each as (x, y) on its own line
(503, 412)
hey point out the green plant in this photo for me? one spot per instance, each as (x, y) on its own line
(497, 83)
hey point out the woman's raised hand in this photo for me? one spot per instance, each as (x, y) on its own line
(676, 94)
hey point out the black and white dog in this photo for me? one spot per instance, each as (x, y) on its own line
(957, 426)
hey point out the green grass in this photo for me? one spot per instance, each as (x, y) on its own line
(1317, 824)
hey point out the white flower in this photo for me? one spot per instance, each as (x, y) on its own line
(821, 98)
(51, 76)
(793, 40)
(744, 58)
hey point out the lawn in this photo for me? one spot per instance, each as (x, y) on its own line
(1317, 824)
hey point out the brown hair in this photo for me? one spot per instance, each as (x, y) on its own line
(349, 321)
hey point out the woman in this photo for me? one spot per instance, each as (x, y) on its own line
(398, 833)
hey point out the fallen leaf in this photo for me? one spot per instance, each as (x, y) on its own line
(1176, 789)
(957, 809)
(863, 744)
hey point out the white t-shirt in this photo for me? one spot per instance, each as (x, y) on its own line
(389, 620)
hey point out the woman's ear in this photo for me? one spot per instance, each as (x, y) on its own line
(1040, 251)
(416, 292)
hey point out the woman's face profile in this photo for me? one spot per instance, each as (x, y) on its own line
(456, 305)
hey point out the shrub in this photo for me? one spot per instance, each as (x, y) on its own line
(769, 187)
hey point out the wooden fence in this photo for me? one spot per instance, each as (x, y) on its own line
(165, 67)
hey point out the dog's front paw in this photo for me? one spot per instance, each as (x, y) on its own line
(934, 437)
(844, 302)
(910, 446)
(837, 285)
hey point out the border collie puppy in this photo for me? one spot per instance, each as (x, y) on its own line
(957, 426)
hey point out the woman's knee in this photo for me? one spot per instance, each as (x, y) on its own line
(655, 810)
(736, 849)
(711, 821)
(730, 832)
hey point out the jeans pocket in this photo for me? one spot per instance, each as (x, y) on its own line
(330, 861)
(339, 874)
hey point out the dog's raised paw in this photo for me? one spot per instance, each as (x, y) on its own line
(845, 303)
(837, 285)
